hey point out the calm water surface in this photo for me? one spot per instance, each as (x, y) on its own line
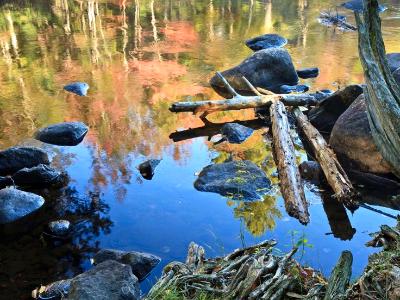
(138, 57)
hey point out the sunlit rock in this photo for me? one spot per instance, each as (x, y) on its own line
(141, 263)
(63, 134)
(15, 204)
(268, 68)
(17, 158)
(266, 41)
(352, 141)
(235, 133)
(239, 180)
(78, 88)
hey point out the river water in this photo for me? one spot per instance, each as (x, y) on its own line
(138, 57)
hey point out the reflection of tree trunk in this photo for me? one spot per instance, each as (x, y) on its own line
(137, 29)
(94, 51)
(250, 16)
(304, 25)
(67, 24)
(14, 40)
(26, 103)
(268, 17)
(124, 29)
(155, 34)
(6, 51)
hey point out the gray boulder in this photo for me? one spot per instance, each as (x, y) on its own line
(268, 68)
(235, 133)
(39, 176)
(141, 263)
(60, 227)
(266, 41)
(393, 61)
(241, 180)
(16, 158)
(352, 141)
(63, 134)
(15, 204)
(109, 280)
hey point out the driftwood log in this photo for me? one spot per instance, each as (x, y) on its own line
(333, 171)
(340, 277)
(382, 94)
(289, 176)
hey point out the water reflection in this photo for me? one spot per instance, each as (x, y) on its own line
(138, 56)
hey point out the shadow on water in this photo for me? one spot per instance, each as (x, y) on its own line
(138, 56)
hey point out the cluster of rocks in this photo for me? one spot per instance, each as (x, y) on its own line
(116, 275)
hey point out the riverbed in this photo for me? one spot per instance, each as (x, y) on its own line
(138, 57)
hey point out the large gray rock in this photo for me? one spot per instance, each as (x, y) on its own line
(17, 158)
(109, 280)
(235, 133)
(268, 68)
(241, 180)
(393, 60)
(63, 134)
(141, 263)
(41, 175)
(351, 139)
(15, 204)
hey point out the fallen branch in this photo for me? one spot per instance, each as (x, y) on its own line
(285, 158)
(333, 171)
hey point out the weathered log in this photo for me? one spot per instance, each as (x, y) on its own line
(340, 277)
(285, 157)
(382, 93)
(334, 173)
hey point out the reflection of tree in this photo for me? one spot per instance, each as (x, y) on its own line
(258, 216)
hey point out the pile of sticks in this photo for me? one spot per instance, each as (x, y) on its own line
(283, 147)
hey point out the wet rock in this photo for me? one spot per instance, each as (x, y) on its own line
(15, 204)
(287, 89)
(39, 176)
(78, 88)
(5, 181)
(141, 263)
(241, 180)
(109, 280)
(358, 6)
(335, 20)
(268, 68)
(266, 41)
(325, 114)
(393, 61)
(311, 171)
(63, 134)
(16, 158)
(352, 141)
(322, 94)
(148, 167)
(308, 73)
(235, 133)
(55, 290)
(59, 227)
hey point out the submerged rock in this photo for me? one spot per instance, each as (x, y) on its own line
(109, 280)
(39, 176)
(352, 141)
(358, 6)
(78, 88)
(60, 227)
(268, 68)
(16, 158)
(393, 61)
(235, 133)
(63, 134)
(241, 180)
(15, 204)
(287, 89)
(325, 114)
(311, 171)
(141, 263)
(148, 167)
(266, 41)
(308, 73)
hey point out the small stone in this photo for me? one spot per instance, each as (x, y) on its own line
(141, 263)
(266, 41)
(78, 88)
(148, 168)
(59, 227)
(287, 89)
(16, 158)
(235, 133)
(63, 134)
(308, 73)
(15, 204)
